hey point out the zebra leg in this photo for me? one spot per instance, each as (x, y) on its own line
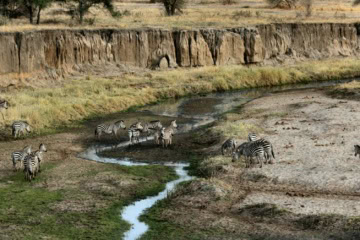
(259, 160)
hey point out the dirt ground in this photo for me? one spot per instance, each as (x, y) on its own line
(311, 192)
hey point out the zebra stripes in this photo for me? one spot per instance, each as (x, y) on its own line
(167, 133)
(19, 156)
(252, 137)
(268, 148)
(39, 154)
(152, 127)
(109, 129)
(20, 127)
(250, 150)
(134, 132)
(229, 144)
(31, 164)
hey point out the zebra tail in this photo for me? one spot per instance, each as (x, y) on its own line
(96, 132)
(272, 152)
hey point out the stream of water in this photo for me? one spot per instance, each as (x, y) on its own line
(204, 114)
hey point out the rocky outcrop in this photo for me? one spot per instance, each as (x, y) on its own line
(56, 52)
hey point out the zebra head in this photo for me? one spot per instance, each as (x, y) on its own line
(28, 128)
(4, 104)
(120, 124)
(235, 156)
(173, 124)
(42, 148)
(139, 125)
(156, 124)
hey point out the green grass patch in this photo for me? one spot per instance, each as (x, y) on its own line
(33, 209)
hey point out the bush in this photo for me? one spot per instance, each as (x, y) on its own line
(171, 6)
(227, 2)
(3, 20)
(284, 4)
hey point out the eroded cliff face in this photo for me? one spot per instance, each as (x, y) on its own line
(55, 52)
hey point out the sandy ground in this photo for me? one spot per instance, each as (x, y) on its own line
(312, 190)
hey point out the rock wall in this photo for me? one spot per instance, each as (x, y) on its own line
(59, 51)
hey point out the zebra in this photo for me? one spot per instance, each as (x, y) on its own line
(229, 144)
(134, 132)
(268, 150)
(357, 150)
(252, 137)
(250, 150)
(3, 105)
(112, 128)
(19, 127)
(31, 165)
(151, 128)
(39, 154)
(167, 133)
(19, 156)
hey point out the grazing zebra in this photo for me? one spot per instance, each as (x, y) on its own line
(250, 150)
(252, 137)
(3, 104)
(19, 127)
(19, 156)
(134, 132)
(31, 164)
(229, 144)
(39, 154)
(112, 128)
(152, 127)
(357, 150)
(167, 134)
(268, 150)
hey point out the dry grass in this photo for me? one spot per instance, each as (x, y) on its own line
(76, 99)
(197, 14)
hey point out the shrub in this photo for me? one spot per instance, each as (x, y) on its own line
(171, 6)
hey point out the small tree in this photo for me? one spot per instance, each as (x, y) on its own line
(28, 8)
(285, 4)
(171, 6)
(78, 8)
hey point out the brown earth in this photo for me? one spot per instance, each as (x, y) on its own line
(311, 192)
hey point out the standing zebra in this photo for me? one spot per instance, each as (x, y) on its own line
(134, 132)
(3, 105)
(19, 127)
(111, 128)
(31, 164)
(268, 148)
(250, 150)
(252, 137)
(19, 156)
(229, 144)
(167, 134)
(152, 127)
(39, 154)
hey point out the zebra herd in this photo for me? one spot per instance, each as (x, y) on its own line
(254, 148)
(152, 128)
(30, 160)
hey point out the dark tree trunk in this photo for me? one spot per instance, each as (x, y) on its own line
(38, 16)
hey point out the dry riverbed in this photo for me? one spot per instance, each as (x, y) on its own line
(311, 192)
